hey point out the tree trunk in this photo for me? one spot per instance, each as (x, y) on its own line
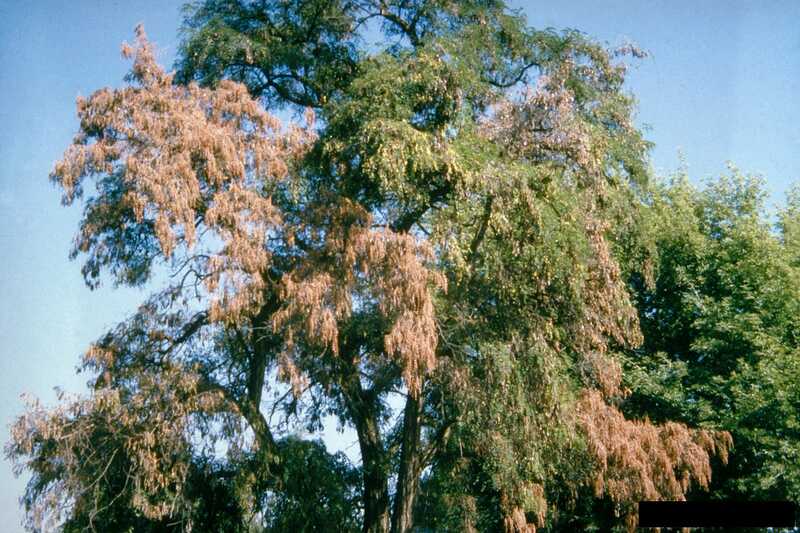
(408, 474)
(376, 482)
(362, 407)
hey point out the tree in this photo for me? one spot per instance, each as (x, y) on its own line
(720, 325)
(443, 228)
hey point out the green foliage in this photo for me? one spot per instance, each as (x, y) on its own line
(720, 325)
(319, 491)
(300, 52)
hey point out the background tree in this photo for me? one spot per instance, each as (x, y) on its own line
(447, 233)
(721, 329)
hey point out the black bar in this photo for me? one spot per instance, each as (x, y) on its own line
(716, 514)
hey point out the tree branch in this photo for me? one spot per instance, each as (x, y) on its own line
(513, 81)
(484, 224)
(409, 30)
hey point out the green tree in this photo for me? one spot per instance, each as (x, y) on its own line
(720, 325)
(443, 227)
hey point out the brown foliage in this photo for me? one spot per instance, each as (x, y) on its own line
(638, 460)
(80, 443)
(360, 262)
(195, 162)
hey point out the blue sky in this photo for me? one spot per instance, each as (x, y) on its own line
(720, 85)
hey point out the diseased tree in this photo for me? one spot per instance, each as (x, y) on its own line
(444, 227)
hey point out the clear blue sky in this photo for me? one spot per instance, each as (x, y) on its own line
(721, 85)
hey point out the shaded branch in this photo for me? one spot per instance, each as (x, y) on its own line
(484, 224)
(252, 415)
(409, 30)
(516, 79)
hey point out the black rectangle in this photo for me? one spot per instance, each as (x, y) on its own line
(716, 514)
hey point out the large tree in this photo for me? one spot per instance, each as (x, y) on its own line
(444, 229)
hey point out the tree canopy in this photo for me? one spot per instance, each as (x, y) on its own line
(458, 220)
(720, 324)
